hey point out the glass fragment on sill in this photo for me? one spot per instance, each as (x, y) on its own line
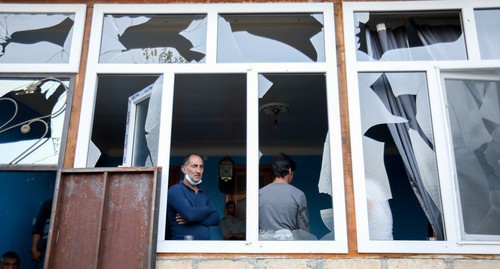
(409, 36)
(270, 38)
(154, 39)
(32, 118)
(35, 38)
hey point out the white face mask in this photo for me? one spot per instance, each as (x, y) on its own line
(191, 181)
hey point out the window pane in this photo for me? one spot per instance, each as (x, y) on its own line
(293, 119)
(138, 132)
(475, 127)
(270, 38)
(402, 185)
(409, 36)
(32, 117)
(209, 112)
(209, 119)
(488, 33)
(109, 126)
(153, 39)
(35, 38)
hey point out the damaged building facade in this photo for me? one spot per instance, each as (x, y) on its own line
(391, 110)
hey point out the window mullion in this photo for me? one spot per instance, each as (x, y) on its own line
(211, 56)
(444, 155)
(164, 144)
(471, 38)
(252, 156)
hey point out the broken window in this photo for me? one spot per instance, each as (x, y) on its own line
(487, 32)
(211, 108)
(153, 39)
(473, 110)
(270, 38)
(35, 38)
(33, 113)
(108, 141)
(293, 119)
(399, 157)
(423, 129)
(142, 128)
(409, 36)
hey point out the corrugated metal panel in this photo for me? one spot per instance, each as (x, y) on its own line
(104, 218)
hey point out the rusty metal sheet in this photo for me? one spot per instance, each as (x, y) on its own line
(104, 218)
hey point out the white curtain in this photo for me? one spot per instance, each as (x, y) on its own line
(405, 135)
(411, 38)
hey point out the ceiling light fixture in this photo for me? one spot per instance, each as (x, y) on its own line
(274, 110)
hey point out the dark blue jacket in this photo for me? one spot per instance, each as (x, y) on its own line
(195, 208)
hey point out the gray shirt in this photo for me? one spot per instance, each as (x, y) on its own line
(282, 206)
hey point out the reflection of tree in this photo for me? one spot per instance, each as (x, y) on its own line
(162, 55)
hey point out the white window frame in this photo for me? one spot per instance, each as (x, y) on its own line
(168, 71)
(435, 70)
(47, 69)
(79, 10)
(461, 74)
(133, 101)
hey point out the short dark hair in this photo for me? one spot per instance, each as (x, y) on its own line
(230, 202)
(10, 255)
(281, 164)
(186, 159)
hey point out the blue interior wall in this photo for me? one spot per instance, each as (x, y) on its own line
(306, 179)
(409, 220)
(21, 195)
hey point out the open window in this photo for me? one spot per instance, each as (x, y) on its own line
(473, 100)
(125, 121)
